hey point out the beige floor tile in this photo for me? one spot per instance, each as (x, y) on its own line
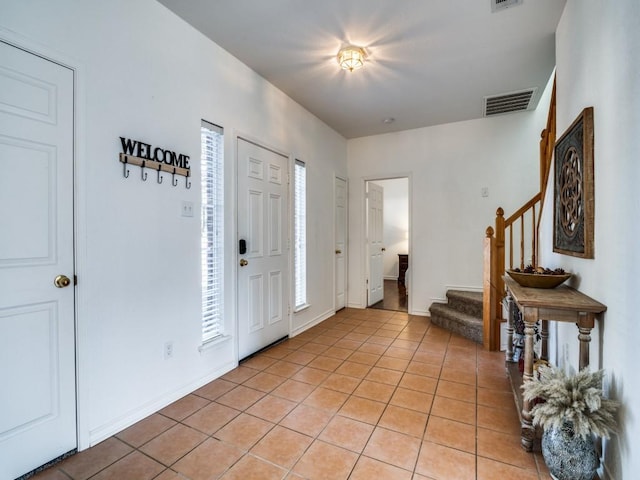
(374, 348)
(265, 382)
(211, 418)
(504, 448)
(169, 475)
(283, 368)
(384, 375)
(271, 408)
(282, 446)
(313, 348)
(394, 448)
(403, 420)
(490, 469)
(52, 473)
(240, 397)
(381, 392)
(259, 362)
(392, 363)
(457, 410)
(347, 433)
(341, 383)
(307, 420)
(302, 357)
(380, 340)
(419, 382)
(363, 409)
(252, 468)
(398, 352)
(458, 375)
(91, 461)
(293, 390)
(325, 461)
(445, 463)
(368, 469)
(339, 353)
(352, 369)
(495, 398)
(457, 391)
(425, 369)
(215, 389)
(278, 352)
(244, 431)
(412, 399)
(326, 399)
(181, 409)
(134, 466)
(363, 357)
(312, 376)
(451, 434)
(171, 445)
(209, 460)
(322, 362)
(352, 345)
(143, 431)
(239, 374)
(504, 420)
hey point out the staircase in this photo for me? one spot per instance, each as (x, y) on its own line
(462, 314)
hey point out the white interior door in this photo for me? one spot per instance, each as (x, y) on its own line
(341, 242)
(263, 224)
(37, 351)
(375, 247)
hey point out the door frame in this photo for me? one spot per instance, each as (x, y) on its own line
(346, 241)
(78, 211)
(238, 135)
(363, 253)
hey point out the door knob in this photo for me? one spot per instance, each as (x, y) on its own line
(338, 252)
(384, 249)
(243, 262)
(62, 281)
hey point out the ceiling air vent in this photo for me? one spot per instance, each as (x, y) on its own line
(509, 102)
(497, 5)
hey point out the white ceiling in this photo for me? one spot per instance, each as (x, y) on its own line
(429, 61)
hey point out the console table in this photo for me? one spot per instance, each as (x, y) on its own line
(560, 304)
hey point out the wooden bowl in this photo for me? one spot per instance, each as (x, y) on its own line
(538, 280)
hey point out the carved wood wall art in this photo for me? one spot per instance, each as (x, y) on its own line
(573, 189)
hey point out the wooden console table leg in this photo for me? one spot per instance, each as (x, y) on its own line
(510, 307)
(544, 340)
(527, 431)
(585, 323)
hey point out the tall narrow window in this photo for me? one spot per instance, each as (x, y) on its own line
(212, 230)
(300, 232)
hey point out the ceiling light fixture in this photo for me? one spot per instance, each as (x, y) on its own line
(351, 58)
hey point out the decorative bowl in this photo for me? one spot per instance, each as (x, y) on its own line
(538, 280)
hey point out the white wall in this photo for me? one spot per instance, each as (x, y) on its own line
(145, 74)
(395, 223)
(598, 64)
(447, 165)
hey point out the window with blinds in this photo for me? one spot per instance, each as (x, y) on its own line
(300, 234)
(212, 230)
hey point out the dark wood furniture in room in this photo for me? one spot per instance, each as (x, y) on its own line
(403, 264)
(560, 304)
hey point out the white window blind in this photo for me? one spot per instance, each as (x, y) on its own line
(300, 233)
(212, 230)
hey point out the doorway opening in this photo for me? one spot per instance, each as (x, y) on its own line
(387, 243)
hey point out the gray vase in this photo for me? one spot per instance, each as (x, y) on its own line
(569, 456)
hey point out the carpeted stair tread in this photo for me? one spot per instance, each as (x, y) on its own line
(462, 314)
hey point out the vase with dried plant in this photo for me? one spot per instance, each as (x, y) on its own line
(572, 410)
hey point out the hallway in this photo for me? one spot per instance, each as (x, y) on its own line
(366, 394)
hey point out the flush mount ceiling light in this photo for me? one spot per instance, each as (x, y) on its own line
(351, 58)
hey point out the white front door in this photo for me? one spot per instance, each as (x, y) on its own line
(341, 242)
(375, 247)
(37, 341)
(263, 228)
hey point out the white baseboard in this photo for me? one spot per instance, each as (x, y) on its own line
(115, 426)
(312, 323)
(390, 277)
(464, 288)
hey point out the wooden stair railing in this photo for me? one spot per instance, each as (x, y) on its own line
(495, 242)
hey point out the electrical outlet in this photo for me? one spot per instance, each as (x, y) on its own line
(484, 191)
(168, 350)
(187, 209)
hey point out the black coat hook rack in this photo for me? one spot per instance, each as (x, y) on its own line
(158, 166)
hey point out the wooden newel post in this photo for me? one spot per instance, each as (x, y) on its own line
(489, 324)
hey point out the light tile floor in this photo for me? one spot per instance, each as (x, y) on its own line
(366, 394)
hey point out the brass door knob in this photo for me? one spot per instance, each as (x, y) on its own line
(243, 262)
(338, 252)
(62, 281)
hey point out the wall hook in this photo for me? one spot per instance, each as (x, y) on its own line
(125, 170)
(174, 182)
(187, 183)
(143, 174)
(159, 177)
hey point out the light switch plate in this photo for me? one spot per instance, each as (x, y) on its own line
(187, 209)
